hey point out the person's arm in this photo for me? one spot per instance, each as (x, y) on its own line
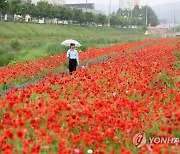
(77, 57)
(67, 54)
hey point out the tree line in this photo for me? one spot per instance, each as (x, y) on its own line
(121, 18)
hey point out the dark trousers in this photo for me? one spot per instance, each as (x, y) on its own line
(72, 65)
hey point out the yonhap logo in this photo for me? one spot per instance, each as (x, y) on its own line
(164, 140)
(139, 140)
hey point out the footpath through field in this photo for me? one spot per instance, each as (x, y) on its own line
(23, 74)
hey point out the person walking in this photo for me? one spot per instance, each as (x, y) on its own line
(73, 57)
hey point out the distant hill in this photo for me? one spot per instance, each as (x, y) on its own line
(166, 11)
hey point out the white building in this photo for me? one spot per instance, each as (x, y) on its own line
(89, 7)
(129, 4)
(54, 2)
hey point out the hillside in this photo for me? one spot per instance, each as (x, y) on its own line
(22, 30)
(23, 42)
(166, 11)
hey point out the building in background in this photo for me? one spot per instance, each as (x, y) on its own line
(54, 2)
(28, 1)
(85, 7)
(126, 4)
(129, 4)
(82, 5)
(136, 2)
(58, 2)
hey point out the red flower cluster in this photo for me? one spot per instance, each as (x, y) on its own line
(99, 108)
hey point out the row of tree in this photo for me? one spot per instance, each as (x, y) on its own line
(49, 11)
(144, 13)
(177, 29)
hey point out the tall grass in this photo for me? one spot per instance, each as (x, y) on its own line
(22, 30)
(6, 58)
(24, 42)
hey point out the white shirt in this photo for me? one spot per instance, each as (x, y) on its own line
(73, 54)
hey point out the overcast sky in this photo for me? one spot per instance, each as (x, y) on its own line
(142, 2)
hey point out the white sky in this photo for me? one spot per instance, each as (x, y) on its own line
(142, 2)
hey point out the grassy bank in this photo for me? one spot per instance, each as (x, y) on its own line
(23, 42)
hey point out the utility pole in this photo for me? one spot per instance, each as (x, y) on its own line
(86, 5)
(128, 8)
(109, 13)
(120, 7)
(174, 18)
(130, 4)
(131, 9)
(147, 13)
(122, 4)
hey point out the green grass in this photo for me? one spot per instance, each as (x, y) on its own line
(177, 55)
(24, 42)
(22, 30)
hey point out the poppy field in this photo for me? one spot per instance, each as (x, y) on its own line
(100, 107)
(20, 73)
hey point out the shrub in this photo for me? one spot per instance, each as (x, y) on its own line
(15, 44)
(55, 48)
(144, 28)
(83, 48)
(4, 48)
(115, 41)
(6, 58)
(101, 41)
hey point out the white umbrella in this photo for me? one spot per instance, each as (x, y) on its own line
(68, 42)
